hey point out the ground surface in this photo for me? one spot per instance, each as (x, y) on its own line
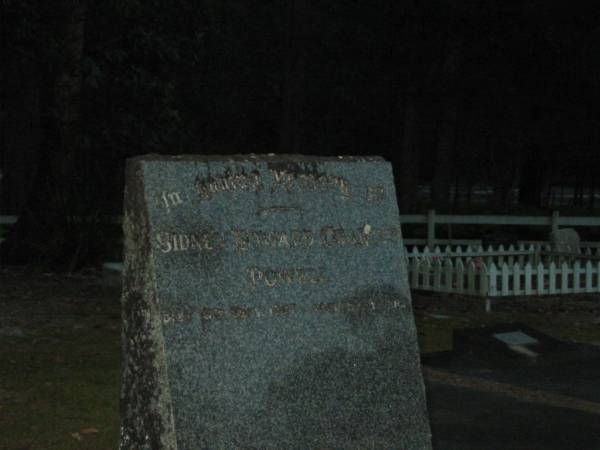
(60, 354)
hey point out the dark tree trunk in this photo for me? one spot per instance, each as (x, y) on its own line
(469, 198)
(532, 179)
(504, 172)
(409, 152)
(405, 83)
(294, 78)
(444, 157)
(46, 232)
(20, 130)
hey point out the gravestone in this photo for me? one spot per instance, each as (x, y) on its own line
(266, 306)
(519, 342)
(565, 240)
(516, 342)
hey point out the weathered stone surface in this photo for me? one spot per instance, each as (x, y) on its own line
(565, 240)
(266, 306)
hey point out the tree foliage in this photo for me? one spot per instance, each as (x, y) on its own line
(455, 94)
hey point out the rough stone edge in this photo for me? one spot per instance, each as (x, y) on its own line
(428, 437)
(146, 410)
(257, 157)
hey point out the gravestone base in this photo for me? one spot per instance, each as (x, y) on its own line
(513, 343)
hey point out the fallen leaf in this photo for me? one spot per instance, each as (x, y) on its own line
(76, 436)
(90, 430)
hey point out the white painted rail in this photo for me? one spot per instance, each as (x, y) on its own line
(552, 221)
(532, 253)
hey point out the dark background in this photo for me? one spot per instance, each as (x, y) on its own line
(482, 106)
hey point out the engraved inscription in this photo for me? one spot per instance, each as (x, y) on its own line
(331, 236)
(179, 242)
(178, 317)
(242, 240)
(241, 313)
(206, 187)
(250, 239)
(310, 181)
(211, 313)
(271, 277)
(264, 210)
(363, 236)
(375, 193)
(171, 199)
(281, 310)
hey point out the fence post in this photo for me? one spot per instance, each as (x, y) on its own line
(484, 282)
(431, 228)
(554, 221)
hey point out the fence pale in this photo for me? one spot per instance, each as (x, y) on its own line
(516, 275)
(528, 272)
(540, 277)
(505, 278)
(437, 275)
(577, 277)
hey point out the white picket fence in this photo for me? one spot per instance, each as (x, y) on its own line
(503, 272)
(533, 253)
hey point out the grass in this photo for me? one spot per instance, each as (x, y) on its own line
(436, 334)
(435, 325)
(59, 385)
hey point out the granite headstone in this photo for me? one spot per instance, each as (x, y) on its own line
(565, 240)
(266, 306)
